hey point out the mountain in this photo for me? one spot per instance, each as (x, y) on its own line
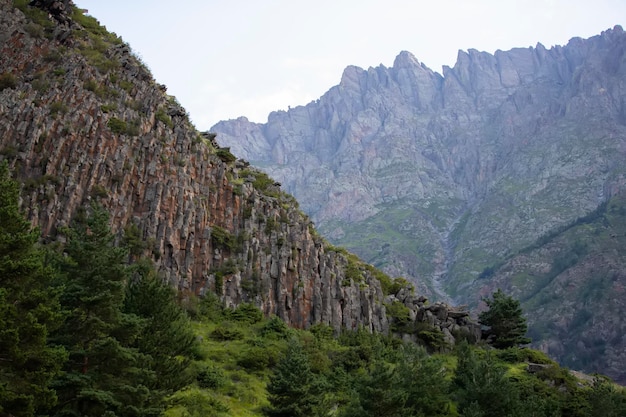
(83, 122)
(506, 170)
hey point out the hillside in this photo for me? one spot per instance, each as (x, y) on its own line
(443, 177)
(83, 122)
(146, 271)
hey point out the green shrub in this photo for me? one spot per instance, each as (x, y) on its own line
(58, 107)
(270, 225)
(517, 354)
(126, 85)
(228, 268)
(106, 108)
(94, 29)
(93, 86)
(221, 238)
(210, 307)
(262, 181)
(275, 327)
(99, 191)
(7, 80)
(322, 331)
(35, 182)
(400, 283)
(54, 55)
(36, 15)
(250, 285)
(132, 128)
(336, 249)
(247, 313)
(179, 160)
(133, 239)
(256, 359)
(194, 401)
(211, 377)
(164, 118)
(123, 128)
(225, 155)
(35, 30)
(9, 151)
(226, 331)
(219, 282)
(353, 272)
(116, 125)
(95, 54)
(430, 336)
(399, 314)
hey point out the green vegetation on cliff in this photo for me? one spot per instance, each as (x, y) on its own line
(109, 338)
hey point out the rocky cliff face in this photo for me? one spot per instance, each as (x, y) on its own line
(83, 121)
(442, 178)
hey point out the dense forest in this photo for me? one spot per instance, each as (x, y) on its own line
(88, 329)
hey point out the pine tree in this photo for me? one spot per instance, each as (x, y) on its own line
(294, 390)
(424, 379)
(506, 324)
(481, 386)
(167, 340)
(28, 311)
(104, 373)
(380, 393)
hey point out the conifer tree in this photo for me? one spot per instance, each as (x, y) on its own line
(506, 324)
(28, 311)
(380, 393)
(104, 373)
(424, 379)
(481, 386)
(167, 338)
(294, 390)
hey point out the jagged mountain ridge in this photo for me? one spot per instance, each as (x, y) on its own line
(442, 177)
(83, 121)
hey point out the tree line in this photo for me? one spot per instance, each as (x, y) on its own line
(85, 332)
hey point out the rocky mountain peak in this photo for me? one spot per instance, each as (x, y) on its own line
(405, 59)
(350, 78)
(441, 178)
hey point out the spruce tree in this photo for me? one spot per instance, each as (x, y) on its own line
(506, 324)
(28, 312)
(424, 379)
(380, 393)
(294, 390)
(482, 388)
(167, 341)
(104, 374)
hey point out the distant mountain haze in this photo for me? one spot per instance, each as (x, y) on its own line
(507, 170)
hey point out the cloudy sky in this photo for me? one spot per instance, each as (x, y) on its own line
(228, 58)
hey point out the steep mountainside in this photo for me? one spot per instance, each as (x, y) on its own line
(575, 277)
(442, 178)
(82, 121)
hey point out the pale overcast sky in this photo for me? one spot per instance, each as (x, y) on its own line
(229, 58)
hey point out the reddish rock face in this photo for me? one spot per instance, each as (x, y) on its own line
(83, 121)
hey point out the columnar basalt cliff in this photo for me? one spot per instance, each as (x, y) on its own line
(82, 121)
(445, 178)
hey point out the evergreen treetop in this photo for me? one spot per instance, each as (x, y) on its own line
(506, 325)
